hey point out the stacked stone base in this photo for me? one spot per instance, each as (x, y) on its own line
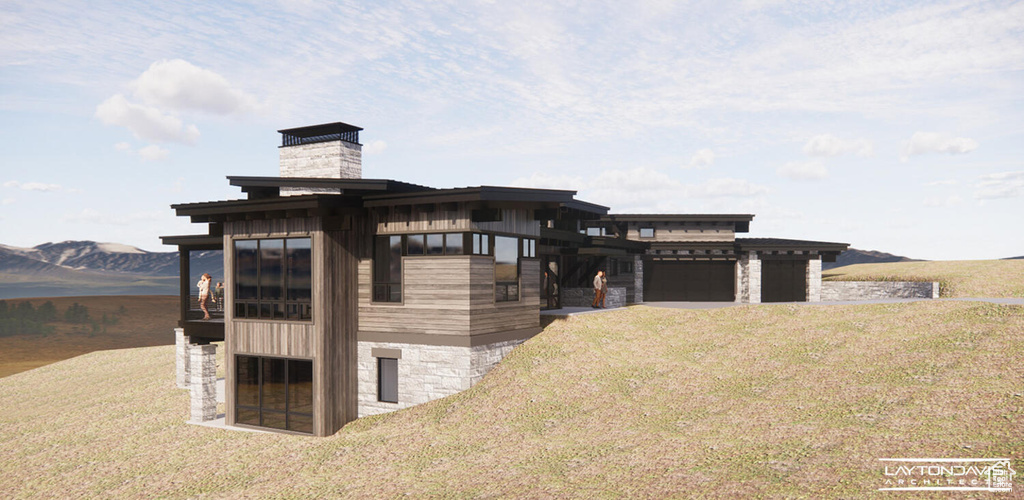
(868, 290)
(196, 370)
(584, 297)
(425, 372)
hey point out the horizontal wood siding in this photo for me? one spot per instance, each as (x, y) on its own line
(683, 232)
(450, 296)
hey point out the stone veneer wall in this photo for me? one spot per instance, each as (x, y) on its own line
(638, 279)
(328, 160)
(584, 297)
(748, 279)
(867, 290)
(426, 372)
(813, 280)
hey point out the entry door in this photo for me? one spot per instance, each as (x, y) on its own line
(550, 281)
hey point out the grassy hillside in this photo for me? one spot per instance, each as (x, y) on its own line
(769, 400)
(143, 321)
(957, 278)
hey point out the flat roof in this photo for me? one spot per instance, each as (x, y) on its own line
(354, 186)
(498, 194)
(319, 130)
(678, 217)
(786, 244)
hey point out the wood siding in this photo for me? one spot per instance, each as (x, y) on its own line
(450, 296)
(689, 231)
(514, 221)
(329, 340)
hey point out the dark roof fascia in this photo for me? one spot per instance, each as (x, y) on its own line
(779, 244)
(555, 197)
(691, 245)
(194, 241)
(382, 185)
(301, 202)
(613, 242)
(678, 217)
(321, 129)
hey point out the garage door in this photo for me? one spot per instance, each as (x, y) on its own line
(690, 281)
(783, 280)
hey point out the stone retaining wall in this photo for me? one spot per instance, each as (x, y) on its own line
(867, 290)
(584, 297)
(425, 372)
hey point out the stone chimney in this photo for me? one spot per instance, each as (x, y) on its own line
(328, 151)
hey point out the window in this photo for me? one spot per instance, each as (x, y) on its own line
(387, 269)
(506, 269)
(647, 232)
(613, 267)
(626, 266)
(481, 244)
(596, 231)
(435, 244)
(529, 248)
(274, 392)
(387, 380)
(274, 279)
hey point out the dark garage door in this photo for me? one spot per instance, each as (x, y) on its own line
(783, 280)
(690, 281)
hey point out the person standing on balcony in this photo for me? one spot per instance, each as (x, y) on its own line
(204, 293)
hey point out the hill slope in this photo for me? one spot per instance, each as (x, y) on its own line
(957, 278)
(783, 400)
(855, 256)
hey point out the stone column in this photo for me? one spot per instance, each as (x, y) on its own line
(181, 358)
(814, 280)
(203, 390)
(748, 276)
(638, 279)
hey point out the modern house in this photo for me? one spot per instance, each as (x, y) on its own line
(347, 297)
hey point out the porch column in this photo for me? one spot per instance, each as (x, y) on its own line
(814, 280)
(748, 276)
(203, 390)
(638, 279)
(181, 358)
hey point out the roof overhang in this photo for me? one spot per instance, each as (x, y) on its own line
(270, 208)
(741, 222)
(492, 196)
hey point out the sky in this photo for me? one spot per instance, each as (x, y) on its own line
(891, 126)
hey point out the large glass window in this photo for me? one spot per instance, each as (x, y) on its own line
(387, 269)
(506, 269)
(274, 279)
(274, 392)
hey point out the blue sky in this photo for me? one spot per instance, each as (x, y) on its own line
(894, 126)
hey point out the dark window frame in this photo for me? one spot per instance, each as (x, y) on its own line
(392, 373)
(285, 308)
(260, 408)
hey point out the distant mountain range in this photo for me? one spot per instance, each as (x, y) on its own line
(73, 268)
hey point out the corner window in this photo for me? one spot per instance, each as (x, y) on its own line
(274, 279)
(481, 244)
(647, 232)
(506, 269)
(387, 269)
(274, 392)
(387, 380)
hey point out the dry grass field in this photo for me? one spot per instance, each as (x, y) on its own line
(765, 400)
(146, 321)
(957, 278)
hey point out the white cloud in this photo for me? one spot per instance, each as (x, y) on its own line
(33, 186)
(642, 189)
(7, 201)
(1001, 185)
(947, 182)
(123, 146)
(702, 158)
(182, 86)
(375, 147)
(948, 201)
(146, 122)
(153, 153)
(932, 142)
(803, 171)
(829, 145)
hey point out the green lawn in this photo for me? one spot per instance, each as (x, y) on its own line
(763, 400)
(957, 278)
